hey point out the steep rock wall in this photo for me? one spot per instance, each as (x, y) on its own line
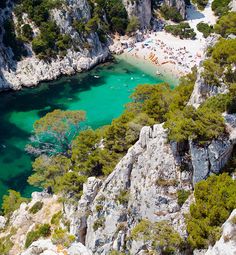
(149, 176)
(179, 4)
(140, 9)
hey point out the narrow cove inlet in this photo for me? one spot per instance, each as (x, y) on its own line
(101, 92)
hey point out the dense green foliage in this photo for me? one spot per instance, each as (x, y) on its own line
(50, 41)
(160, 236)
(116, 15)
(12, 201)
(183, 30)
(226, 25)
(201, 125)
(220, 7)
(205, 29)
(40, 231)
(215, 198)
(218, 68)
(170, 13)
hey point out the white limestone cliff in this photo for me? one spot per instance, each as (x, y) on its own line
(140, 9)
(227, 242)
(30, 71)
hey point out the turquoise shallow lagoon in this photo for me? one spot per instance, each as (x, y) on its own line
(101, 92)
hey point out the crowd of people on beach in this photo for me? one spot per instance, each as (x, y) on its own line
(160, 53)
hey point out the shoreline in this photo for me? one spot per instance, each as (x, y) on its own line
(148, 67)
(162, 54)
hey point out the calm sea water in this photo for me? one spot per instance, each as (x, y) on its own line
(102, 93)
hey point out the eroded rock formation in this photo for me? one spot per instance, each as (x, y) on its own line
(141, 9)
(179, 5)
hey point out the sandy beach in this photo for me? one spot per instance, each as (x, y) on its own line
(170, 55)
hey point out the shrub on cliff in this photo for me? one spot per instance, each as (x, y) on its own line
(12, 201)
(133, 25)
(158, 237)
(61, 237)
(36, 207)
(215, 198)
(40, 231)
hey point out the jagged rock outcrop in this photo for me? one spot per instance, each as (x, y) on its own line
(211, 158)
(179, 4)
(77, 214)
(144, 184)
(30, 71)
(22, 220)
(202, 91)
(3, 222)
(227, 242)
(140, 9)
(46, 247)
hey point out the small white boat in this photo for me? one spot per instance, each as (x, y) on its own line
(158, 73)
(96, 76)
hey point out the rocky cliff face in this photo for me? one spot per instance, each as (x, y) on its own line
(141, 9)
(179, 4)
(143, 186)
(30, 71)
(227, 242)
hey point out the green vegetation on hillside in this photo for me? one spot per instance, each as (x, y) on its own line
(160, 236)
(43, 230)
(171, 13)
(218, 67)
(215, 198)
(205, 29)
(116, 15)
(11, 202)
(226, 25)
(220, 7)
(183, 30)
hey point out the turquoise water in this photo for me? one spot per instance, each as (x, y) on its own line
(102, 93)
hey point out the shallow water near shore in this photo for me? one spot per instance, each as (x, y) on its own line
(101, 92)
